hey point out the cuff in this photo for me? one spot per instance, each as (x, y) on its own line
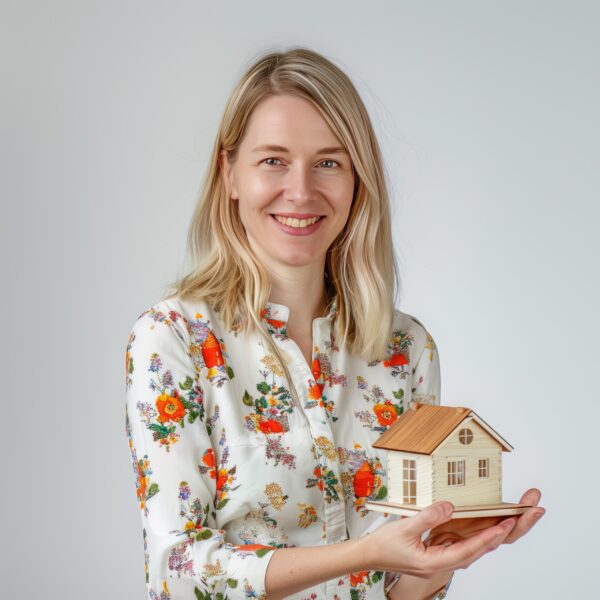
(247, 570)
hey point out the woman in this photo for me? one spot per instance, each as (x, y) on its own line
(257, 386)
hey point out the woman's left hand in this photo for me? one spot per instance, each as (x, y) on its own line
(459, 529)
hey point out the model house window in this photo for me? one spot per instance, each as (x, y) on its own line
(465, 436)
(409, 481)
(484, 467)
(456, 472)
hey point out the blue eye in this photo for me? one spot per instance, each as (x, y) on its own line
(331, 161)
(325, 160)
(266, 159)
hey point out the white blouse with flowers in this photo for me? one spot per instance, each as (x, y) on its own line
(231, 462)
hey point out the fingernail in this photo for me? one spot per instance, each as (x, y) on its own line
(538, 514)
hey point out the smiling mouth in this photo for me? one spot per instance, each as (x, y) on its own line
(297, 223)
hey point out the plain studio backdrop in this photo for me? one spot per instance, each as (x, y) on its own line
(487, 114)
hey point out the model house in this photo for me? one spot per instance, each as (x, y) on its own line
(443, 453)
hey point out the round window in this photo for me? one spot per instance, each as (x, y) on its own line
(465, 436)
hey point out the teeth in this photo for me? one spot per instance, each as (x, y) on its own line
(296, 222)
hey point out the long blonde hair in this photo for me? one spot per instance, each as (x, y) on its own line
(360, 268)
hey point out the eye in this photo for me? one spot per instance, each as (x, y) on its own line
(266, 159)
(330, 161)
(327, 160)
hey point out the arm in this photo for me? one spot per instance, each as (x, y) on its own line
(174, 465)
(417, 588)
(294, 569)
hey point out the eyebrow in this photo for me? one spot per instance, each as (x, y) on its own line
(275, 148)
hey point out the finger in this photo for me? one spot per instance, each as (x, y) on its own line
(435, 514)
(525, 522)
(461, 554)
(532, 496)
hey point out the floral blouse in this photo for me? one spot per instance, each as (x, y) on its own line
(230, 463)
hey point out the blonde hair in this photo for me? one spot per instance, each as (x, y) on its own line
(360, 268)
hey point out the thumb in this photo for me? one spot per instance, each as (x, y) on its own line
(428, 518)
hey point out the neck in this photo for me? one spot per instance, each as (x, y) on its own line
(302, 290)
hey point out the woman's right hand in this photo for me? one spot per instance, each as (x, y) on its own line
(397, 545)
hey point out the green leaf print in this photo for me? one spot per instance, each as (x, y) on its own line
(203, 534)
(399, 394)
(377, 576)
(222, 504)
(262, 551)
(247, 399)
(263, 387)
(382, 493)
(200, 595)
(152, 490)
(232, 583)
(162, 430)
(187, 384)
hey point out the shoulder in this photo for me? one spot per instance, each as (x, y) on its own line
(413, 330)
(172, 320)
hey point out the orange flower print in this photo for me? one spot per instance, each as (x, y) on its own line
(319, 476)
(364, 481)
(314, 392)
(252, 547)
(358, 577)
(211, 352)
(276, 325)
(270, 426)
(260, 550)
(209, 458)
(127, 362)
(386, 413)
(397, 359)
(141, 490)
(170, 407)
(222, 479)
(316, 369)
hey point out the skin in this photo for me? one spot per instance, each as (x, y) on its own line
(299, 180)
(304, 180)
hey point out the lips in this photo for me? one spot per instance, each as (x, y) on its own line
(298, 230)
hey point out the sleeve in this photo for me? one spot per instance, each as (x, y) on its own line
(426, 388)
(186, 555)
(426, 380)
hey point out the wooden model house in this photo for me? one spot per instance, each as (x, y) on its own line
(443, 453)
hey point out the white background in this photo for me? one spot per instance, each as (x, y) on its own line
(487, 113)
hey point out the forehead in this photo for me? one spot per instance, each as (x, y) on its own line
(290, 122)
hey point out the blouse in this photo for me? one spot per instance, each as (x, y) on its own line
(231, 462)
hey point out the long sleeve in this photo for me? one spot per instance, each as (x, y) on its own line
(176, 473)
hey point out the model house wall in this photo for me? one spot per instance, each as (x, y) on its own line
(397, 487)
(476, 489)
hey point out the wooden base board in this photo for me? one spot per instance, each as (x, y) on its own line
(460, 512)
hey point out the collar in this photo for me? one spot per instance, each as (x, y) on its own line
(277, 315)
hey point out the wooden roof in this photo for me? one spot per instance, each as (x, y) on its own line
(423, 427)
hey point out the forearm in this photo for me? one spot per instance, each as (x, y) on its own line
(291, 570)
(417, 588)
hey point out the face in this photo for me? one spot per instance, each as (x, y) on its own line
(290, 164)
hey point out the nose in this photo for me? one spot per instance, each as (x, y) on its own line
(299, 185)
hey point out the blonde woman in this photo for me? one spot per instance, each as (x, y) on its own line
(257, 385)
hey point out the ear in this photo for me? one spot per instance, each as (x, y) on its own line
(227, 172)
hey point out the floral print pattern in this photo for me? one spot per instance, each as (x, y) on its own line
(231, 461)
